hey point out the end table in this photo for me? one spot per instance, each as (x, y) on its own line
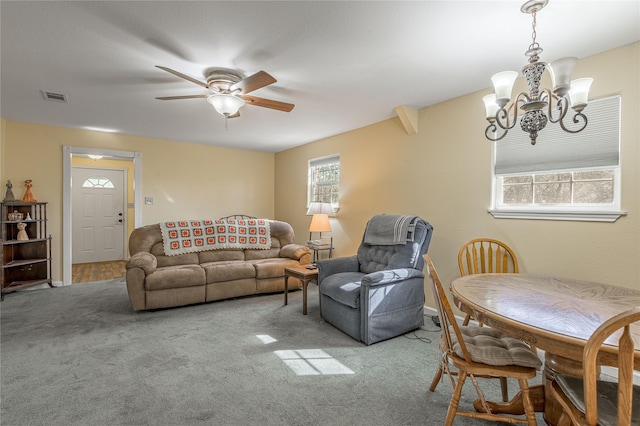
(304, 275)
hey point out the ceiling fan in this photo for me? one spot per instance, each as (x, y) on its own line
(229, 91)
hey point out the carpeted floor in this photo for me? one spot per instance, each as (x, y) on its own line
(79, 355)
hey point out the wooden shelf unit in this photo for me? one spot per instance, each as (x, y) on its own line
(25, 263)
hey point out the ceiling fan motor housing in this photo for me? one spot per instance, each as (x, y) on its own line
(222, 80)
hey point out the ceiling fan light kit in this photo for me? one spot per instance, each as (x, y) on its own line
(225, 104)
(502, 114)
(229, 91)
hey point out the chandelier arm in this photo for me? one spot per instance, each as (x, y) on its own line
(561, 105)
(492, 129)
(502, 118)
(576, 120)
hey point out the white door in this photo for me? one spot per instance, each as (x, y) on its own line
(98, 214)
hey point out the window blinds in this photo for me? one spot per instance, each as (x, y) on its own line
(597, 145)
(324, 161)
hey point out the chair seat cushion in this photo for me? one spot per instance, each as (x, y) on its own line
(573, 388)
(490, 346)
(343, 287)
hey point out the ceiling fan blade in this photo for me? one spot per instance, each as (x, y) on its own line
(186, 77)
(268, 103)
(253, 82)
(173, 98)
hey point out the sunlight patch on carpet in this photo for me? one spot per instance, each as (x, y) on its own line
(265, 338)
(312, 362)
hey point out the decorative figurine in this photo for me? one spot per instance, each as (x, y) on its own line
(28, 216)
(28, 195)
(9, 196)
(22, 234)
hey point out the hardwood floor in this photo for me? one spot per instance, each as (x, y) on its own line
(87, 272)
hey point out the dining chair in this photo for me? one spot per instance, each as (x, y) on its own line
(480, 256)
(486, 256)
(480, 352)
(589, 401)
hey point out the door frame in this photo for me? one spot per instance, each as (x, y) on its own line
(67, 153)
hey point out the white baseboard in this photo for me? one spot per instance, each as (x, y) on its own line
(45, 285)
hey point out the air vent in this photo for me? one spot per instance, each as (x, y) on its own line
(53, 96)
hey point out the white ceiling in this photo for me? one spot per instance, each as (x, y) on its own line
(343, 64)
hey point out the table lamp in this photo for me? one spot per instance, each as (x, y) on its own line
(320, 220)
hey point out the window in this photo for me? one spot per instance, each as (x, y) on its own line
(98, 182)
(564, 176)
(324, 179)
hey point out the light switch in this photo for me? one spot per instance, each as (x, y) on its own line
(148, 200)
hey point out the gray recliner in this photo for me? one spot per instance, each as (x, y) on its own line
(378, 293)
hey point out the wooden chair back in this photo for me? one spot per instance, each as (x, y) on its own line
(619, 325)
(447, 318)
(486, 256)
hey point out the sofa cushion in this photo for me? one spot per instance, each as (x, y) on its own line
(282, 232)
(228, 271)
(491, 346)
(220, 255)
(251, 254)
(343, 287)
(175, 277)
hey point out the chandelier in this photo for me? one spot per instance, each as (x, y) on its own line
(538, 104)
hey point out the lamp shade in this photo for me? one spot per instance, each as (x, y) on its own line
(318, 207)
(320, 223)
(579, 93)
(490, 105)
(503, 84)
(226, 104)
(560, 71)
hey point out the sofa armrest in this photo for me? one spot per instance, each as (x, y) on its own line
(295, 251)
(390, 276)
(143, 260)
(332, 266)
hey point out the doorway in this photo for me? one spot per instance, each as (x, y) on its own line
(99, 214)
(132, 204)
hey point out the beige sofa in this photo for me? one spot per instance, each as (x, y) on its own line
(155, 280)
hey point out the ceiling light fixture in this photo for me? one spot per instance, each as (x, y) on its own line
(502, 115)
(226, 104)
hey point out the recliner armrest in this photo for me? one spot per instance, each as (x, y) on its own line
(328, 267)
(390, 276)
(143, 260)
(295, 251)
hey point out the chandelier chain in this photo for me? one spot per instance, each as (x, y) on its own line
(534, 44)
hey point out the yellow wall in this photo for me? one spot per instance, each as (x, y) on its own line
(187, 181)
(443, 174)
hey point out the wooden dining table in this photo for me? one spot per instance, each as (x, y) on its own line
(556, 315)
